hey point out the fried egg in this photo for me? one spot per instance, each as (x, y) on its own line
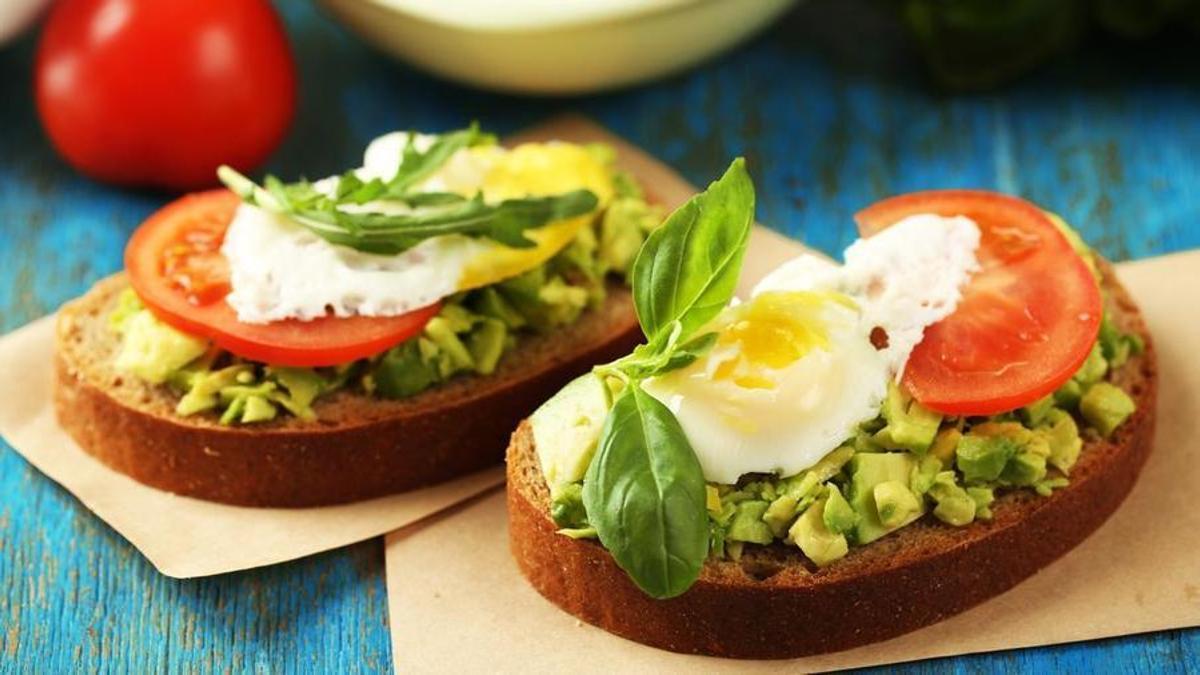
(795, 370)
(280, 270)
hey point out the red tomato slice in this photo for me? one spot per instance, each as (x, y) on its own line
(1027, 319)
(176, 267)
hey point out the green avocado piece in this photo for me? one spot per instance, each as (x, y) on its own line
(910, 426)
(486, 344)
(1035, 412)
(404, 371)
(205, 390)
(567, 427)
(1093, 368)
(982, 458)
(1068, 395)
(955, 506)
(816, 541)
(258, 409)
(566, 507)
(866, 471)
(839, 516)
(944, 445)
(895, 504)
(1061, 434)
(128, 304)
(1025, 468)
(151, 350)
(781, 512)
(983, 497)
(491, 304)
(624, 227)
(747, 524)
(1105, 407)
(456, 357)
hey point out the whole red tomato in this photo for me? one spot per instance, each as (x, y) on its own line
(160, 93)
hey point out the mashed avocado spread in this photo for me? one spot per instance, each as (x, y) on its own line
(906, 463)
(469, 336)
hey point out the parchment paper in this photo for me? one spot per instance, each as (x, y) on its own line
(185, 537)
(458, 603)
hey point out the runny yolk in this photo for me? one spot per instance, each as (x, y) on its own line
(192, 262)
(771, 332)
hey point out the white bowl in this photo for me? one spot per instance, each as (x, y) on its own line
(554, 46)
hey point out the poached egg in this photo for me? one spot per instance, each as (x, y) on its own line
(798, 366)
(280, 270)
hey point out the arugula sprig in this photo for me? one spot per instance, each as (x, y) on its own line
(431, 214)
(644, 489)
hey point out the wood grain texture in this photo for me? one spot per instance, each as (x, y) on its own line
(831, 111)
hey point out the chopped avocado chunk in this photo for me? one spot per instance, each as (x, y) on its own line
(258, 409)
(1093, 368)
(1105, 407)
(403, 371)
(955, 505)
(152, 350)
(781, 512)
(491, 304)
(1069, 394)
(895, 504)
(1035, 412)
(839, 516)
(1062, 436)
(128, 304)
(982, 458)
(983, 497)
(486, 344)
(866, 471)
(910, 425)
(567, 427)
(566, 507)
(747, 524)
(945, 444)
(1025, 468)
(815, 540)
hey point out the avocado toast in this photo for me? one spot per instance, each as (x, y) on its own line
(315, 343)
(914, 515)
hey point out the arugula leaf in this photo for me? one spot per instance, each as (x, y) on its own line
(435, 214)
(644, 493)
(688, 268)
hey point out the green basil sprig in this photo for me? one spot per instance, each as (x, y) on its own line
(646, 483)
(434, 214)
(644, 489)
(688, 269)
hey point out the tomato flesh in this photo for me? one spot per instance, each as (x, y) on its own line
(175, 266)
(1027, 319)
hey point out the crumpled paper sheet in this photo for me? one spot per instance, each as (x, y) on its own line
(458, 603)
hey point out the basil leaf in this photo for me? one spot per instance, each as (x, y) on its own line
(644, 493)
(688, 268)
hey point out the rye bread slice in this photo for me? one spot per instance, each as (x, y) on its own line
(359, 447)
(774, 603)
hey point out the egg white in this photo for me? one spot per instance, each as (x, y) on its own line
(279, 270)
(788, 418)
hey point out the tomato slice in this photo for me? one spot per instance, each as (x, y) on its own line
(176, 267)
(1027, 319)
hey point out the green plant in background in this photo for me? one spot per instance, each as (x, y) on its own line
(977, 44)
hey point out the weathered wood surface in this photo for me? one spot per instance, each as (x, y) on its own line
(831, 111)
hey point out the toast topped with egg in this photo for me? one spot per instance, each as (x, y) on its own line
(300, 344)
(853, 452)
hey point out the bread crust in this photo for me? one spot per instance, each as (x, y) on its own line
(912, 578)
(359, 447)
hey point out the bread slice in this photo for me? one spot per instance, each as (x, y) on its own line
(359, 447)
(774, 603)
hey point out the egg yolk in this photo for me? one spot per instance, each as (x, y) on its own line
(771, 332)
(534, 170)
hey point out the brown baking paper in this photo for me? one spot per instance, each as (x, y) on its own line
(458, 603)
(180, 536)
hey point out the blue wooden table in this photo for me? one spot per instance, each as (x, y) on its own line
(832, 112)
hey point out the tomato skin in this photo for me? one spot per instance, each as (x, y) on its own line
(328, 341)
(1027, 319)
(159, 94)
